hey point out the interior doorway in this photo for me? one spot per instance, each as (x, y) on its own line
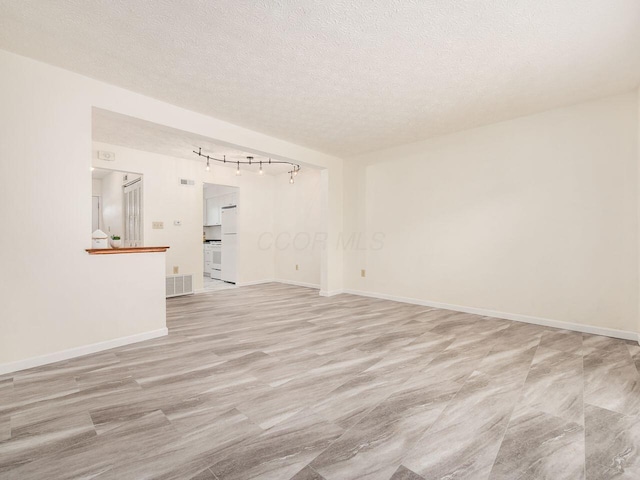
(220, 236)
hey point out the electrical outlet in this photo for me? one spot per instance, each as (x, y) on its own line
(297, 268)
(176, 270)
(157, 225)
(363, 273)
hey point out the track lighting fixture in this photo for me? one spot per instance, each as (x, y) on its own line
(250, 161)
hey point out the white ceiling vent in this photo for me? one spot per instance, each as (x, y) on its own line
(108, 156)
(186, 181)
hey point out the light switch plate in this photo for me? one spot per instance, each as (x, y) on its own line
(157, 225)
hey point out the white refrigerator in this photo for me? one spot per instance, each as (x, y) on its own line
(229, 243)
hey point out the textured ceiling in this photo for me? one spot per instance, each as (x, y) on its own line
(118, 129)
(344, 77)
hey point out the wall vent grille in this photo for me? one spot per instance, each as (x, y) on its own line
(179, 285)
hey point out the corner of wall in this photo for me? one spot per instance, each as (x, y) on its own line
(638, 201)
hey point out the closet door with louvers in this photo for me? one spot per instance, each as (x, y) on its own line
(133, 214)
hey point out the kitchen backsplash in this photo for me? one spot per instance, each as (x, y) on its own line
(213, 233)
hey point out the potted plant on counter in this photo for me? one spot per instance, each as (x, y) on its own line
(115, 241)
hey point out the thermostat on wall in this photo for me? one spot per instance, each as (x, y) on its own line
(109, 156)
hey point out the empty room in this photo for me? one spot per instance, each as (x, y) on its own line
(305, 240)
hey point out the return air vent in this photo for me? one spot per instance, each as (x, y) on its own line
(186, 181)
(179, 285)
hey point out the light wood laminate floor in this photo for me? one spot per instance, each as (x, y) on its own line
(275, 382)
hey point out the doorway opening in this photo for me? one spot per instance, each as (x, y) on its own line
(117, 206)
(220, 236)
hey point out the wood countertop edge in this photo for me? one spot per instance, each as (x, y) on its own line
(118, 251)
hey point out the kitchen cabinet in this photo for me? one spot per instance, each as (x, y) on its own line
(213, 205)
(229, 199)
(212, 216)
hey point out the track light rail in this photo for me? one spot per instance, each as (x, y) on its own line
(250, 161)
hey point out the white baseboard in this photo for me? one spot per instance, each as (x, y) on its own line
(331, 293)
(275, 280)
(299, 284)
(546, 322)
(254, 282)
(79, 351)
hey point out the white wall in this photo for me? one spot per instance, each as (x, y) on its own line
(535, 216)
(215, 190)
(54, 294)
(166, 200)
(96, 187)
(299, 229)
